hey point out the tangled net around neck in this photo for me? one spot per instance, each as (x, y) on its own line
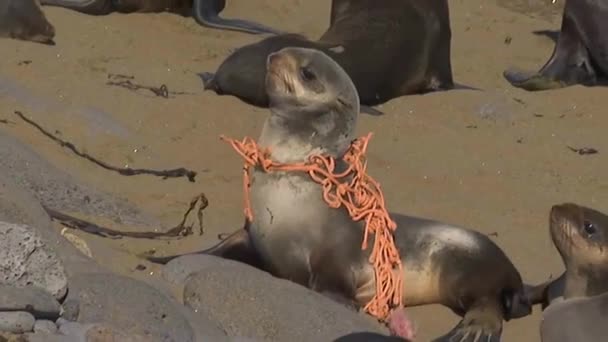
(359, 194)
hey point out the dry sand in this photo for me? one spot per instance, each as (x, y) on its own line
(494, 160)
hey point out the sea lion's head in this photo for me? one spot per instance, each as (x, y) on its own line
(25, 20)
(312, 97)
(580, 235)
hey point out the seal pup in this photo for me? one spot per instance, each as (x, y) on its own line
(576, 303)
(389, 49)
(580, 55)
(314, 109)
(205, 12)
(24, 20)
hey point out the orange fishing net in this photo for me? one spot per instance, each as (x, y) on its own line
(360, 195)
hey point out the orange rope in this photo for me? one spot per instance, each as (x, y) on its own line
(361, 196)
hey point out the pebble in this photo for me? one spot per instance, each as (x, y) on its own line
(45, 326)
(34, 300)
(25, 260)
(16, 321)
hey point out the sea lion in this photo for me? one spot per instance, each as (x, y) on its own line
(576, 304)
(314, 109)
(24, 20)
(580, 55)
(389, 49)
(205, 12)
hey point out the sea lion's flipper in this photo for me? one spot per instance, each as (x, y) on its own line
(531, 81)
(25, 20)
(91, 7)
(370, 110)
(209, 82)
(235, 247)
(482, 322)
(569, 64)
(206, 13)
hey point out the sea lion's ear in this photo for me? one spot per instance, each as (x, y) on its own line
(337, 49)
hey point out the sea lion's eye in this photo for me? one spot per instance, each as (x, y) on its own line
(306, 74)
(589, 228)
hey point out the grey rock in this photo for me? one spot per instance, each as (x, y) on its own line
(247, 302)
(45, 326)
(61, 191)
(16, 321)
(177, 270)
(25, 260)
(368, 337)
(74, 329)
(71, 309)
(34, 300)
(136, 308)
(46, 337)
(19, 205)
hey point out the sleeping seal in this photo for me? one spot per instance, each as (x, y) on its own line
(580, 55)
(576, 304)
(24, 20)
(205, 12)
(389, 49)
(296, 235)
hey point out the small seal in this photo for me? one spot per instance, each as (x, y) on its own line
(389, 49)
(580, 55)
(205, 12)
(576, 303)
(297, 236)
(24, 20)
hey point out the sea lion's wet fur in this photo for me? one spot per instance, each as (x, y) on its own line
(580, 55)
(25, 20)
(314, 108)
(579, 297)
(389, 49)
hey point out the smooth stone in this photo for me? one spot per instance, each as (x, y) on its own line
(576, 319)
(34, 300)
(73, 329)
(136, 308)
(46, 337)
(71, 309)
(177, 270)
(247, 302)
(25, 260)
(16, 321)
(45, 326)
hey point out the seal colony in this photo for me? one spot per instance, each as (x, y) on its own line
(205, 12)
(298, 233)
(24, 20)
(580, 55)
(576, 303)
(389, 49)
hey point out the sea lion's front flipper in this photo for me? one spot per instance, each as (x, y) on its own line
(570, 64)
(206, 13)
(482, 322)
(236, 246)
(531, 81)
